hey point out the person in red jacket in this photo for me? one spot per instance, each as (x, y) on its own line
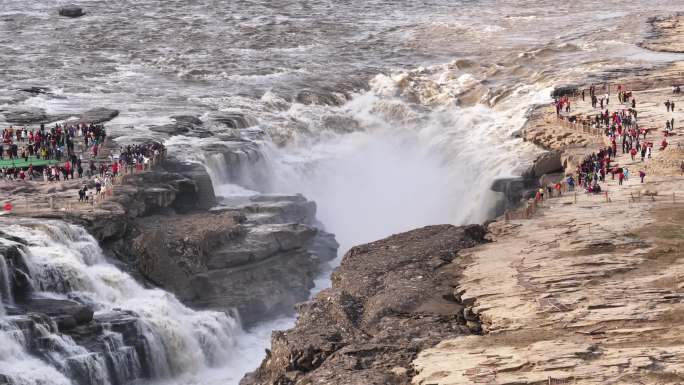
(67, 168)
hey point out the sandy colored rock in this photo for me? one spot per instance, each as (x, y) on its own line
(589, 289)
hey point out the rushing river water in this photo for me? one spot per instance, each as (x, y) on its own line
(389, 114)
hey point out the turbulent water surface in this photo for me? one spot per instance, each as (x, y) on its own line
(389, 114)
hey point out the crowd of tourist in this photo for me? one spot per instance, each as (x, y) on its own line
(620, 126)
(70, 151)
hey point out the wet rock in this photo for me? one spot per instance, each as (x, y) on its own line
(196, 191)
(71, 11)
(281, 209)
(98, 115)
(389, 300)
(35, 90)
(171, 129)
(183, 125)
(515, 189)
(27, 116)
(329, 98)
(187, 120)
(565, 90)
(339, 123)
(68, 314)
(13, 97)
(234, 120)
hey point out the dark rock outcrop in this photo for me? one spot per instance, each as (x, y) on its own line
(30, 116)
(184, 125)
(38, 115)
(565, 90)
(196, 191)
(35, 90)
(98, 115)
(234, 120)
(515, 189)
(260, 258)
(546, 163)
(66, 313)
(340, 123)
(389, 300)
(329, 98)
(71, 11)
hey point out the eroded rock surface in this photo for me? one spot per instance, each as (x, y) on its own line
(260, 258)
(665, 34)
(389, 300)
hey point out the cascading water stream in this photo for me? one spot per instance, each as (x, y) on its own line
(66, 262)
(5, 286)
(19, 368)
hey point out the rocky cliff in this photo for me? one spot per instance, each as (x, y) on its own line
(259, 256)
(389, 300)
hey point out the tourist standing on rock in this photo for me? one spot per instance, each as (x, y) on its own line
(642, 175)
(663, 144)
(67, 170)
(571, 183)
(667, 105)
(672, 106)
(621, 177)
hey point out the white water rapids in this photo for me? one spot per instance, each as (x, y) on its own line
(65, 261)
(402, 169)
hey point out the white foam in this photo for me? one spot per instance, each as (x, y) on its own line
(64, 259)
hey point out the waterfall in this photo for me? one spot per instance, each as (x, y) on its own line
(5, 284)
(408, 166)
(19, 368)
(65, 262)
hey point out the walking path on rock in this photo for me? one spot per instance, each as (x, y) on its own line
(586, 291)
